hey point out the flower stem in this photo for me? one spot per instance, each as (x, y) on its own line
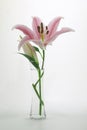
(39, 79)
(40, 87)
(40, 105)
(37, 94)
(43, 59)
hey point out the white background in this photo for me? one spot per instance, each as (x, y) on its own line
(66, 60)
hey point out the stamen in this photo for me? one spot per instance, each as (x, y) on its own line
(42, 29)
(46, 27)
(38, 28)
(47, 32)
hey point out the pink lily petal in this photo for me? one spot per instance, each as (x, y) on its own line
(52, 27)
(25, 30)
(56, 34)
(64, 30)
(35, 23)
(25, 39)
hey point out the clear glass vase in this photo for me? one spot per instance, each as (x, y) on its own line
(37, 110)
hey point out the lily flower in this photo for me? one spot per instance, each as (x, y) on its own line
(41, 35)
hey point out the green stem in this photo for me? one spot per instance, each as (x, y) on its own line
(40, 87)
(43, 59)
(40, 75)
(36, 91)
(39, 79)
(40, 105)
(37, 94)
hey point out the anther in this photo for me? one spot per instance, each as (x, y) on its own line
(47, 32)
(42, 30)
(46, 27)
(38, 28)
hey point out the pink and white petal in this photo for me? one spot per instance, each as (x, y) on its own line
(64, 30)
(52, 26)
(25, 39)
(56, 34)
(25, 30)
(35, 23)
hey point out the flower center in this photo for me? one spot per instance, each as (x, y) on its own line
(43, 31)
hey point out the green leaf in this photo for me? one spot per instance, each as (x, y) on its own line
(32, 60)
(37, 49)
